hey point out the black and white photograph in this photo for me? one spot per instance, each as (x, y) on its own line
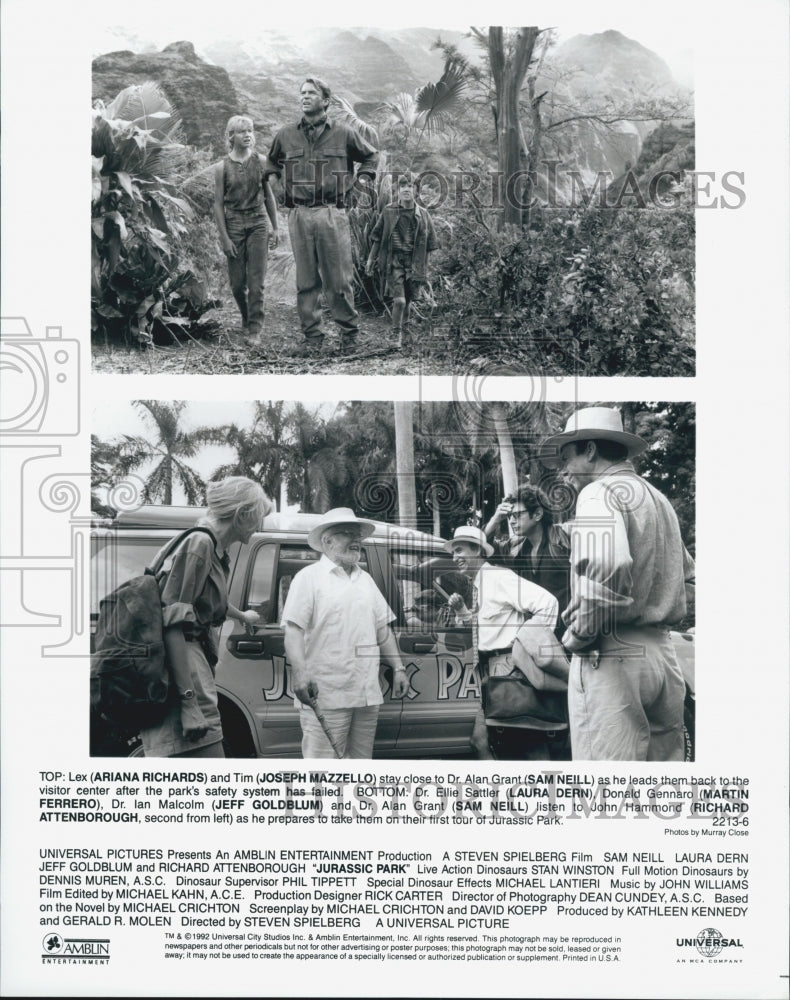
(393, 490)
(394, 200)
(462, 531)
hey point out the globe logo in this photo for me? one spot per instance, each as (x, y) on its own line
(708, 942)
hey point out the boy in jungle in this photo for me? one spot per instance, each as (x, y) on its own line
(242, 200)
(401, 240)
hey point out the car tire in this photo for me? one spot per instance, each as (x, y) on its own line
(236, 736)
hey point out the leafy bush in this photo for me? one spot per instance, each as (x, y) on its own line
(592, 291)
(139, 284)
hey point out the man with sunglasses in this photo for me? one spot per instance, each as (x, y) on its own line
(535, 549)
(337, 626)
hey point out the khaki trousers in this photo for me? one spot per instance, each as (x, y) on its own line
(626, 701)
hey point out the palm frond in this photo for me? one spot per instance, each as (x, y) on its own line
(226, 434)
(402, 111)
(232, 469)
(345, 113)
(191, 483)
(450, 51)
(132, 453)
(139, 131)
(441, 98)
(157, 483)
(480, 37)
(146, 106)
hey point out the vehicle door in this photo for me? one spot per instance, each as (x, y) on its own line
(253, 668)
(443, 696)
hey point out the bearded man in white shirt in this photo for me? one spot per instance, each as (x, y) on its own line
(337, 627)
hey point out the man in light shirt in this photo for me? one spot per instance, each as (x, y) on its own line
(337, 627)
(630, 573)
(504, 602)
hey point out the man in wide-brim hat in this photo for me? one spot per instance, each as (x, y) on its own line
(629, 572)
(337, 627)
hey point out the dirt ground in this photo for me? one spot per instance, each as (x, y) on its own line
(224, 353)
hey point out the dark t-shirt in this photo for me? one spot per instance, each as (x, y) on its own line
(243, 185)
(551, 569)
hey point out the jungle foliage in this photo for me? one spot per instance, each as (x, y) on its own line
(141, 284)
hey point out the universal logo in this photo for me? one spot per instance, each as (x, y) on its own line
(710, 943)
(57, 950)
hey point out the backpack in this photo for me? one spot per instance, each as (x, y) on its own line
(130, 677)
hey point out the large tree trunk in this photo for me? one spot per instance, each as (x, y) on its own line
(404, 464)
(168, 500)
(628, 411)
(437, 514)
(508, 70)
(507, 454)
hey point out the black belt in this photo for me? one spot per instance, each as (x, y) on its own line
(206, 643)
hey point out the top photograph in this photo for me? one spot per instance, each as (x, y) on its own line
(393, 201)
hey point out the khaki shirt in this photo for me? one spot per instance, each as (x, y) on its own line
(320, 172)
(194, 585)
(629, 566)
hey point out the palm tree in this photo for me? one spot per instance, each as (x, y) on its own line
(104, 474)
(404, 463)
(320, 474)
(452, 476)
(431, 107)
(514, 432)
(263, 450)
(370, 447)
(169, 450)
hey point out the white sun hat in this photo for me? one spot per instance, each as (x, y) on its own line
(600, 423)
(336, 517)
(466, 533)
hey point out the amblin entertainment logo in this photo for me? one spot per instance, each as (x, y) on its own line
(57, 950)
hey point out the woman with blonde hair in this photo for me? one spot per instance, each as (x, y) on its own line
(193, 587)
(243, 199)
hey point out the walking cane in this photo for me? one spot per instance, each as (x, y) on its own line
(310, 697)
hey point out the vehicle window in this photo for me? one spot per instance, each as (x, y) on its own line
(259, 595)
(424, 584)
(292, 559)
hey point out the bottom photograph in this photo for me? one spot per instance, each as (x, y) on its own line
(356, 579)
